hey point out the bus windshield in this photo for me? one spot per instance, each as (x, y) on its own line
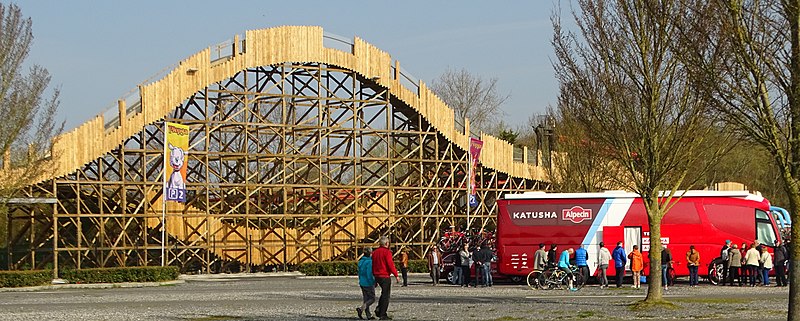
(765, 228)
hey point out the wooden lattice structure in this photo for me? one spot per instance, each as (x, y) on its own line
(303, 147)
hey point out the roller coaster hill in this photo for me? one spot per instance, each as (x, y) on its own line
(303, 147)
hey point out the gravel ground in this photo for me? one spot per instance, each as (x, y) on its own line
(335, 298)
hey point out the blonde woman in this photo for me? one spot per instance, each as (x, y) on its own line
(766, 261)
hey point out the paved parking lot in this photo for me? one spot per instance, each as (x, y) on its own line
(253, 297)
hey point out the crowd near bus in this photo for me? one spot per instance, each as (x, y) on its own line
(563, 240)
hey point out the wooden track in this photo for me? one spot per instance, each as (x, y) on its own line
(270, 47)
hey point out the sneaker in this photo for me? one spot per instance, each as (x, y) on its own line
(573, 289)
(386, 317)
(360, 313)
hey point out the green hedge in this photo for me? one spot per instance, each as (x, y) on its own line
(13, 279)
(122, 274)
(418, 266)
(351, 268)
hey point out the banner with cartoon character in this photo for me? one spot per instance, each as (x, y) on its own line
(176, 143)
(475, 146)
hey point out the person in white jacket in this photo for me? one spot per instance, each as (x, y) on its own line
(751, 263)
(603, 256)
(766, 261)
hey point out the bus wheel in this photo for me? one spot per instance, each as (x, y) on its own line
(516, 279)
(715, 271)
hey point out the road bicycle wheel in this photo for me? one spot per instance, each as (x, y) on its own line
(533, 280)
(543, 280)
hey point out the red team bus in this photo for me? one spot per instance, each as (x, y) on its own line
(704, 219)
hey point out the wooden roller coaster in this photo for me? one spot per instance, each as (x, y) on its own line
(303, 147)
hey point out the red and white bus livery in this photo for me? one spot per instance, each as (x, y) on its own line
(704, 219)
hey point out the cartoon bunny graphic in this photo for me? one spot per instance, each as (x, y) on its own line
(175, 183)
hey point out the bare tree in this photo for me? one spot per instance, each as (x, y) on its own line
(749, 62)
(471, 97)
(28, 116)
(580, 164)
(630, 95)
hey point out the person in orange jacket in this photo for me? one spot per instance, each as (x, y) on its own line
(636, 266)
(404, 265)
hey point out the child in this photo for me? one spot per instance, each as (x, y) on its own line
(367, 283)
(636, 266)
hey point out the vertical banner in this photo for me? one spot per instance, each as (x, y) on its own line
(475, 146)
(176, 143)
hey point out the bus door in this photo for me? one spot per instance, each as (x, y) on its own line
(633, 236)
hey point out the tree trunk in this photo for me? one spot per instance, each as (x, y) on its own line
(792, 12)
(654, 292)
(794, 249)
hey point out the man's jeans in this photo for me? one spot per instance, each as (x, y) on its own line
(487, 273)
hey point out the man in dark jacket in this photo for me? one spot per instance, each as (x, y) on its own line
(620, 258)
(485, 258)
(723, 254)
(780, 264)
(552, 255)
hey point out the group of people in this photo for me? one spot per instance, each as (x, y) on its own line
(745, 264)
(481, 258)
(375, 268)
(543, 260)
(742, 265)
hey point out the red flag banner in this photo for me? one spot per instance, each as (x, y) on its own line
(475, 146)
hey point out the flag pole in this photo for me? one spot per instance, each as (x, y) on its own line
(164, 199)
(469, 183)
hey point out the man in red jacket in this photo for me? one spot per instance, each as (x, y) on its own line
(383, 268)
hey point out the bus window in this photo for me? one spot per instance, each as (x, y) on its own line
(764, 231)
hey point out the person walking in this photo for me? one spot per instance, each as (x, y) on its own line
(603, 256)
(751, 263)
(723, 255)
(693, 263)
(404, 265)
(434, 260)
(666, 257)
(383, 267)
(564, 265)
(465, 257)
(366, 280)
(766, 264)
(637, 264)
(582, 261)
(780, 264)
(619, 263)
(734, 264)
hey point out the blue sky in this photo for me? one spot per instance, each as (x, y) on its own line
(99, 50)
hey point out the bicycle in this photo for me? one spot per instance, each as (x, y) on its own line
(554, 278)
